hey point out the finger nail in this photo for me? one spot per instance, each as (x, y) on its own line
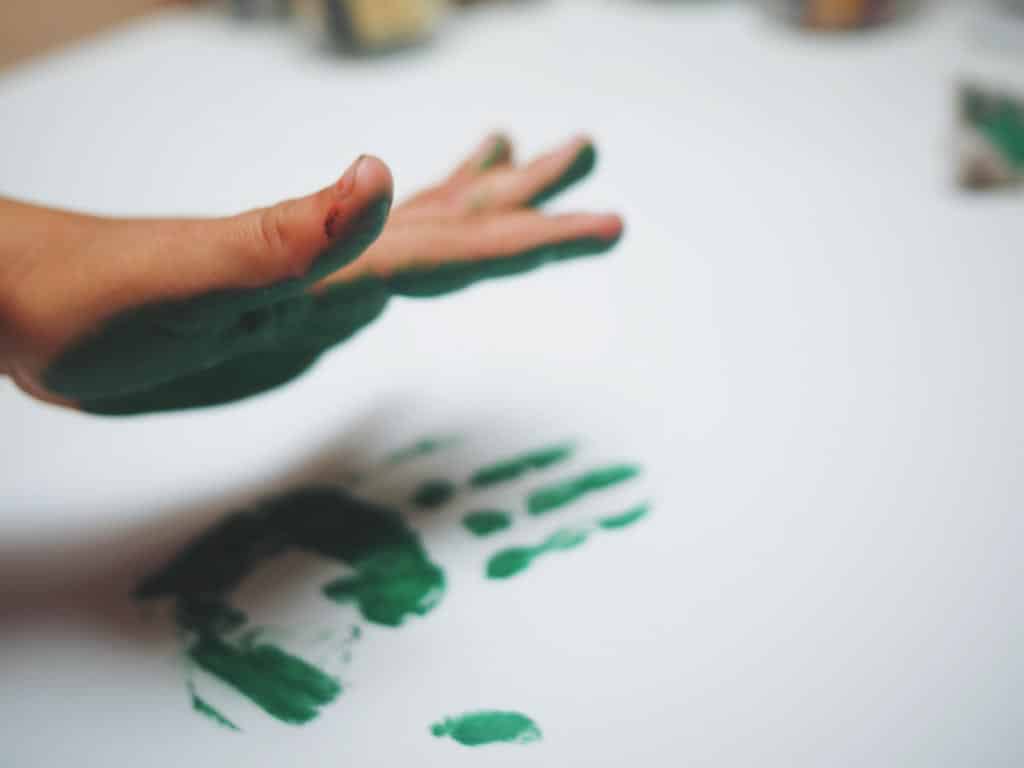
(348, 182)
(494, 153)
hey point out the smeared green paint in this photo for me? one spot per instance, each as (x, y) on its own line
(508, 562)
(625, 519)
(433, 493)
(1000, 119)
(283, 685)
(512, 468)
(557, 495)
(484, 522)
(500, 153)
(231, 344)
(392, 578)
(202, 707)
(581, 166)
(475, 729)
(422, 447)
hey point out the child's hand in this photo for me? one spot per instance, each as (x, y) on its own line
(129, 316)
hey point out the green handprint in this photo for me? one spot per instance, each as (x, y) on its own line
(389, 577)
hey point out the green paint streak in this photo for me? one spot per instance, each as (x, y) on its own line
(509, 562)
(1000, 119)
(626, 519)
(200, 706)
(552, 497)
(510, 469)
(392, 578)
(484, 522)
(453, 276)
(499, 153)
(475, 729)
(581, 166)
(283, 685)
(422, 447)
(433, 493)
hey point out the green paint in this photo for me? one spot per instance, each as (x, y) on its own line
(552, 497)
(475, 729)
(1000, 119)
(391, 579)
(200, 706)
(283, 685)
(227, 345)
(484, 522)
(423, 447)
(582, 165)
(433, 493)
(500, 153)
(508, 562)
(516, 466)
(626, 519)
(453, 276)
(147, 348)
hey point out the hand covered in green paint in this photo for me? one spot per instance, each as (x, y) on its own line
(124, 316)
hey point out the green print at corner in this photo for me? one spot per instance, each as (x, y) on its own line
(475, 729)
(227, 345)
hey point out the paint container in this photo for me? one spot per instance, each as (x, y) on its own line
(375, 26)
(837, 15)
(989, 100)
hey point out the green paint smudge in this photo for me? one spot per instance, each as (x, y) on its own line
(423, 447)
(510, 469)
(475, 729)
(433, 493)
(203, 708)
(499, 153)
(282, 685)
(392, 578)
(508, 562)
(552, 497)
(484, 522)
(581, 166)
(627, 518)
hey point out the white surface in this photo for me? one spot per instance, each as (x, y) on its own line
(808, 337)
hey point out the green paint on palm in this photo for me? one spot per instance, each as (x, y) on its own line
(557, 495)
(203, 708)
(285, 686)
(144, 349)
(392, 579)
(231, 344)
(484, 522)
(626, 519)
(475, 729)
(433, 493)
(512, 468)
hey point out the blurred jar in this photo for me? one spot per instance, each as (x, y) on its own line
(374, 26)
(837, 14)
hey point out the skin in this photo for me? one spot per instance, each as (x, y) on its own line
(123, 316)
